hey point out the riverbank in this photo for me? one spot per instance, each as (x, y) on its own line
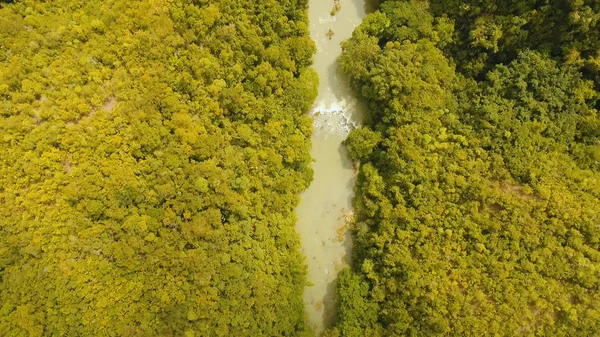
(326, 203)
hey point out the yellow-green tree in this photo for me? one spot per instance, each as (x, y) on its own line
(152, 155)
(476, 197)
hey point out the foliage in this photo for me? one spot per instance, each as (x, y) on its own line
(330, 33)
(361, 143)
(477, 195)
(494, 31)
(152, 155)
(336, 7)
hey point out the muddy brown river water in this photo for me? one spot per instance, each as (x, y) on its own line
(324, 204)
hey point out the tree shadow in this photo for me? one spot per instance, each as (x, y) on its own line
(371, 6)
(329, 307)
(345, 157)
(330, 314)
(365, 7)
(343, 92)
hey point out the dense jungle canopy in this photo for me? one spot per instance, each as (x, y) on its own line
(479, 187)
(152, 155)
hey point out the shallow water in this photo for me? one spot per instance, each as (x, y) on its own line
(324, 203)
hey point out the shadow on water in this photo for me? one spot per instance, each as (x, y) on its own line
(339, 82)
(345, 158)
(343, 92)
(371, 6)
(348, 247)
(365, 7)
(330, 314)
(330, 309)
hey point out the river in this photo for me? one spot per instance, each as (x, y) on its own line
(324, 205)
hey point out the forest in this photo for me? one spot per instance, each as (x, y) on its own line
(152, 155)
(479, 185)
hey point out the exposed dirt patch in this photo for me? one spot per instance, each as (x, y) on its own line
(518, 190)
(37, 118)
(110, 104)
(515, 189)
(68, 167)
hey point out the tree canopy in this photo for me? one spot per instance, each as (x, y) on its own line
(153, 153)
(479, 183)
(152, 156)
